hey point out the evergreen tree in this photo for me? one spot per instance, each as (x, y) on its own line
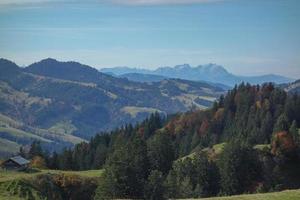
(186, 188)
(172, 184)
(100, 156)
(161, 152)
(53, 161)
(36, 149)
(207, 176)
(238, 168)
(139, 166)
(266, 128)
(282, 123)
(66, 160)
(126, 171)
(295, 133)
(155, 188)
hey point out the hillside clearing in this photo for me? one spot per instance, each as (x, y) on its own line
(133, 111)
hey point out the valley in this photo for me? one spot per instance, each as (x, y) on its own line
(67, 102)
(149, 99)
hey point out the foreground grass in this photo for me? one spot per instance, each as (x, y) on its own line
(12, 184)
(284, 195)
(13, 175)
(16, 185)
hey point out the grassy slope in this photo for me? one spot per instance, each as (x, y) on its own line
(12, 175)
(284, 195)
(14, 129)
(133, 110)
(9, 123)
(64, 127)
(21, 134)
(8, 146)
(5, 120)
(217, 149)
(214, 151)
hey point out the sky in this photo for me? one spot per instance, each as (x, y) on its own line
(247, 37)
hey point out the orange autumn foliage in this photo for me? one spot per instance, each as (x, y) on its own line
(185, 122)
(282, 142)
(141, 131)
(258, 104)
(67, 180)
(203, 128)
(219, 114)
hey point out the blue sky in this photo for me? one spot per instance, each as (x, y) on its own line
(246, 37)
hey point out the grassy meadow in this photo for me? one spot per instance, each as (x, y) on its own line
(284, 195)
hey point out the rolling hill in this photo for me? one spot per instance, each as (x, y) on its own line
(67, 101)
(143, 77)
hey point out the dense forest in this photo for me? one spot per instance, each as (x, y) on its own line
(247, 142)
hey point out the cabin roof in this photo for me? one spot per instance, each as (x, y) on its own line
(20, 160)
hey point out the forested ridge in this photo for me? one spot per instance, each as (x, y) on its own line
(247, 142)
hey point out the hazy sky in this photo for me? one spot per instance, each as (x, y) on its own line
(247, 37)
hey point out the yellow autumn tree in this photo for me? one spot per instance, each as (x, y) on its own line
(38, 162)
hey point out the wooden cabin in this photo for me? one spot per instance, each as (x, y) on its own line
(17, 163)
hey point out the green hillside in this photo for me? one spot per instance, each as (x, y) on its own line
(19, 134)
(7, 147)
(247, 143)
(14, 134)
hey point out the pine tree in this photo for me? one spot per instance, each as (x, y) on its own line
(266, 128)
(36, 149)
(238, 168)
(53, 161)
(172, 184)
(126, 171)
(282, 123)
(295, 133)
(207, 176)
(100, 156)
(161, 152)
(155, 188)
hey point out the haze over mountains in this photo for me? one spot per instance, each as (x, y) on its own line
(209, 73)
(66, 102)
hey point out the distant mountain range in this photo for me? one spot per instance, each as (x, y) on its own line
(63, 103)
(210, 73)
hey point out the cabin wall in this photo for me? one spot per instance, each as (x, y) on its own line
(10, 165)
